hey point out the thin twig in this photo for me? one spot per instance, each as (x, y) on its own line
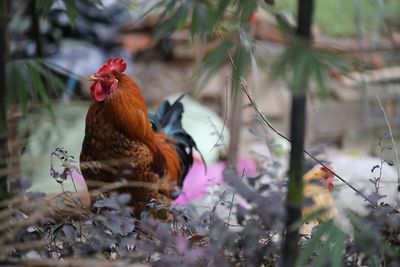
(233, 198)
(106, 187)
(264, 120)
(268, 124)
(391, 138)
(78, 202)
(220, 135)
(227, 50)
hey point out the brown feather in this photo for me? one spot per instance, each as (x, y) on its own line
(320, 195)
(120, 140)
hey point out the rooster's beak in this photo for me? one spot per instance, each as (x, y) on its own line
(93, 78)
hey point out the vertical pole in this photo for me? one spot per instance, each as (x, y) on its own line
(294, 198)
(235, 127)
(36, 28)
(3, 115)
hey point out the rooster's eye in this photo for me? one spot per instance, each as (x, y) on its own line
(108, 76)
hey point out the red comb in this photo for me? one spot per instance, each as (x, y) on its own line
(328, 171)
(116, 64)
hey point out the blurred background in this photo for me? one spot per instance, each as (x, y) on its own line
(50, 48)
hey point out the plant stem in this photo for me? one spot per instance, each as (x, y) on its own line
(235, 126)
(3, 114)
(36, 28)
(294, 197)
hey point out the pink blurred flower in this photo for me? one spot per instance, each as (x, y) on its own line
(79, 181)
(81, 185)
(197, 181)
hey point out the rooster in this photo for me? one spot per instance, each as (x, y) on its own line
(122, 141)
(318, 186)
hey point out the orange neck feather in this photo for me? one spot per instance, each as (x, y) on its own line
(128, 111)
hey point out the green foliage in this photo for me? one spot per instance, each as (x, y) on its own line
(36, 79)
(337, 18)
(301, 63)
(33, 80)
(208, 19)
(327, 239)
(199, 20)
(213, 61)
(242, 60)
(176, 20)
(70, 6)
(372, 239)
(202, 17)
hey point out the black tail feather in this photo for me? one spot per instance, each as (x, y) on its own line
(168, 119)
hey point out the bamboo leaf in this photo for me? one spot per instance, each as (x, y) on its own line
(56, 84)
(323, 251)
(300, 72)
(217, 14)
(45, 6)
(246, 10)
(28, 82)
(320, 79)
(194, 26)
(242, 62)
(50, 65)
(40, 87)
(176, 20)
(313, 215)
(202, 21)
(338, 249)
(167, 4)
(300, 63)
(279, 69)
(21, 88)
(311, 245)
(72, 11)
(213, 61)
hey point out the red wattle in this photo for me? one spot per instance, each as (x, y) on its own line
(97, 92)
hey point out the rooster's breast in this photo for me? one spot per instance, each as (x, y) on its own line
(107, 155)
